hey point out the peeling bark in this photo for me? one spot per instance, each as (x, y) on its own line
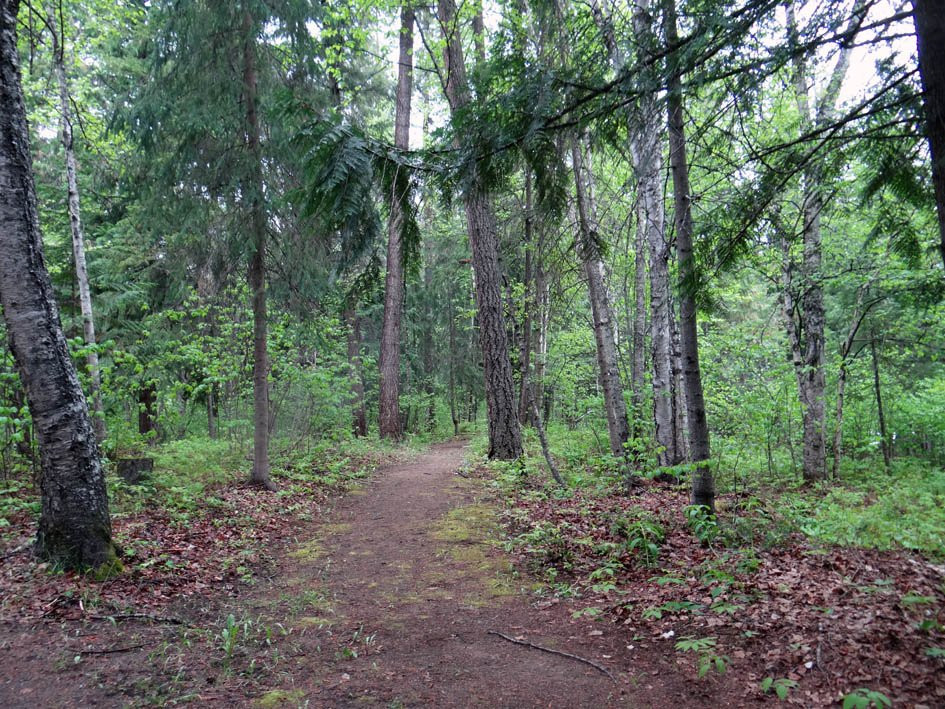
(355, 374)
(645, 128)
(806, 336)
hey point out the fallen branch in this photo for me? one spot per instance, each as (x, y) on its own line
(18, 550)
(141, 616)
(591, 663)
(112, 650)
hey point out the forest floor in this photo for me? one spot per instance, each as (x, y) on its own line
(399, 593)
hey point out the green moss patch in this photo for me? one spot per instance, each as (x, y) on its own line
(280, 698)
(475, 522)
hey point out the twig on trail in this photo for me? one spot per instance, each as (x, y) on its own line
(591, 663)
(461, 474)
(113, 650)
(141, 616)
(18, 550)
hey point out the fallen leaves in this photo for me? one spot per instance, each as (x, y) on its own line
(831, 619)
(169, 555)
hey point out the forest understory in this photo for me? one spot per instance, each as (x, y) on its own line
(266, 600)
(483, 353)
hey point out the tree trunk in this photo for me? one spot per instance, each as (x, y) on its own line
(589, 253)
(929, 17)
(543, 438)
(542, 307)
(858, 314)
(505, 436)
(644, 130)
(703, 485)
(389, 405)
(428, 347)
(74, 525)
(147, 398)
(646, 157)
(883, 433)
(680, 418)
(359, 414)
(638, 357)
(212, 412)
(257, 266)
(75, 224)
(808, 337)
(454, 415)
(528, 305)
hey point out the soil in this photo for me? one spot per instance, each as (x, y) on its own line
(393, 598)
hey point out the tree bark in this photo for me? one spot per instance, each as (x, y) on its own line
(75, 224)
(703, 485)
(644, 131)
(212, 412)
(543, 438)
(601, 311)
(147, 398)
(429, 346)
(257, 264)
(543, 308)
(74, 525)
(929, 18)
(454, 415)
(638, 357)
(389, 405)
(505, 436)
(646, 157)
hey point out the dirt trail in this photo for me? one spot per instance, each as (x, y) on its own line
(404, 584)
(388, 600)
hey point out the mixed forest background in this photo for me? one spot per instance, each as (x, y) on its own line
(695, 239)
(675, 269)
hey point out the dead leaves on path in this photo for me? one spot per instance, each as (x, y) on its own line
(169, 555)
(831, 619)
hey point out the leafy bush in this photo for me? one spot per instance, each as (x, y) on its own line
(547, 545)
(906, 510)
(641, 533)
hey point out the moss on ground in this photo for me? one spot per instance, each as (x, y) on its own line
(280, 698)
(469, 523)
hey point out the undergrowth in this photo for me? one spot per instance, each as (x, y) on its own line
(866, 507)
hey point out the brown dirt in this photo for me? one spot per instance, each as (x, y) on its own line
(388, 601)
(417, 581)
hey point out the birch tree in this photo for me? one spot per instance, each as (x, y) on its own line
(57, 34)
(74, 524)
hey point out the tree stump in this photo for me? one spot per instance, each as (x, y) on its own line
(135, 470)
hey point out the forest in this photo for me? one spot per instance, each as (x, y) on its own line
(472, 353)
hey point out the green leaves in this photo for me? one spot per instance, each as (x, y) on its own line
(705, 648)
(781, 686)
(863, 698)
